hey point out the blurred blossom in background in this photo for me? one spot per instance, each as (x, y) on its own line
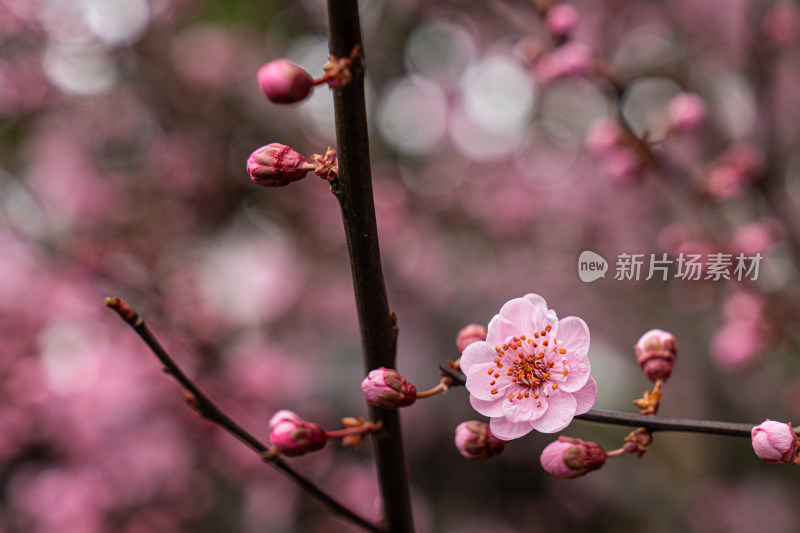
(498, 157)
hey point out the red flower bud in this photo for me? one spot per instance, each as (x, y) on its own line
(568, 458)
(656, 351)
(276, 165)
(293, 436)
(468, 335)
(475, 441)
(385, 387)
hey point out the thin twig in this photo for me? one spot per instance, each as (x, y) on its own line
(651, 422)
(353, 189)
(209, 411)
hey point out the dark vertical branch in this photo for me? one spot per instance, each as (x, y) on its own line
(354, 192)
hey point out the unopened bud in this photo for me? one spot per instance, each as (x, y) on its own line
(284, 82)
(656, 351)
(568, 458)
(686, 112)
(385, 387)
(468, 335)
(774, 442)
(475, 441)
(276, 165)
(293, 436)
(562, 20)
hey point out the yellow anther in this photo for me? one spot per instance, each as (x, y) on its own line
(535, 396)
(544, 343)
(493, 382)
(562, 351)
(519, 396)
(536, 335)
(496, 375)
(555, 386)
(494, 391)
(538, 404)
(565, 372)
(548, 327)
(490, 372)
(527, 394)
(522, 337)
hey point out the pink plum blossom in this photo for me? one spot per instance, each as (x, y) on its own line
(532, 371)
(774, 442)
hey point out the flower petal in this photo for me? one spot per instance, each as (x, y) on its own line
(579, 371)
(476, 353)
(519, 312)
(560, 411)
(479, 382)
(503, 429)
(487, 408)
(542, 316)
(522, 410)
(586, 396)
(499, 330)
(573, 334)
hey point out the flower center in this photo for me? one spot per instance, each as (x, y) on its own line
(529, 363)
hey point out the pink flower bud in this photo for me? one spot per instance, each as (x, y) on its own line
(774, 442)
(570, 60)
(475, 441)
(562, 20)
(293, 436)
(656, 351)
(782, 23)
(603, 135)
(468, 335)
(568, 458)
(276, 165)
(284, 82)
(385, 387)
(686, 112)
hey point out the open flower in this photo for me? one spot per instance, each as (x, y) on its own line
(532, 371)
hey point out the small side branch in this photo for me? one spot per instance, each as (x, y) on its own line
(209, 411)
(652, 423)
